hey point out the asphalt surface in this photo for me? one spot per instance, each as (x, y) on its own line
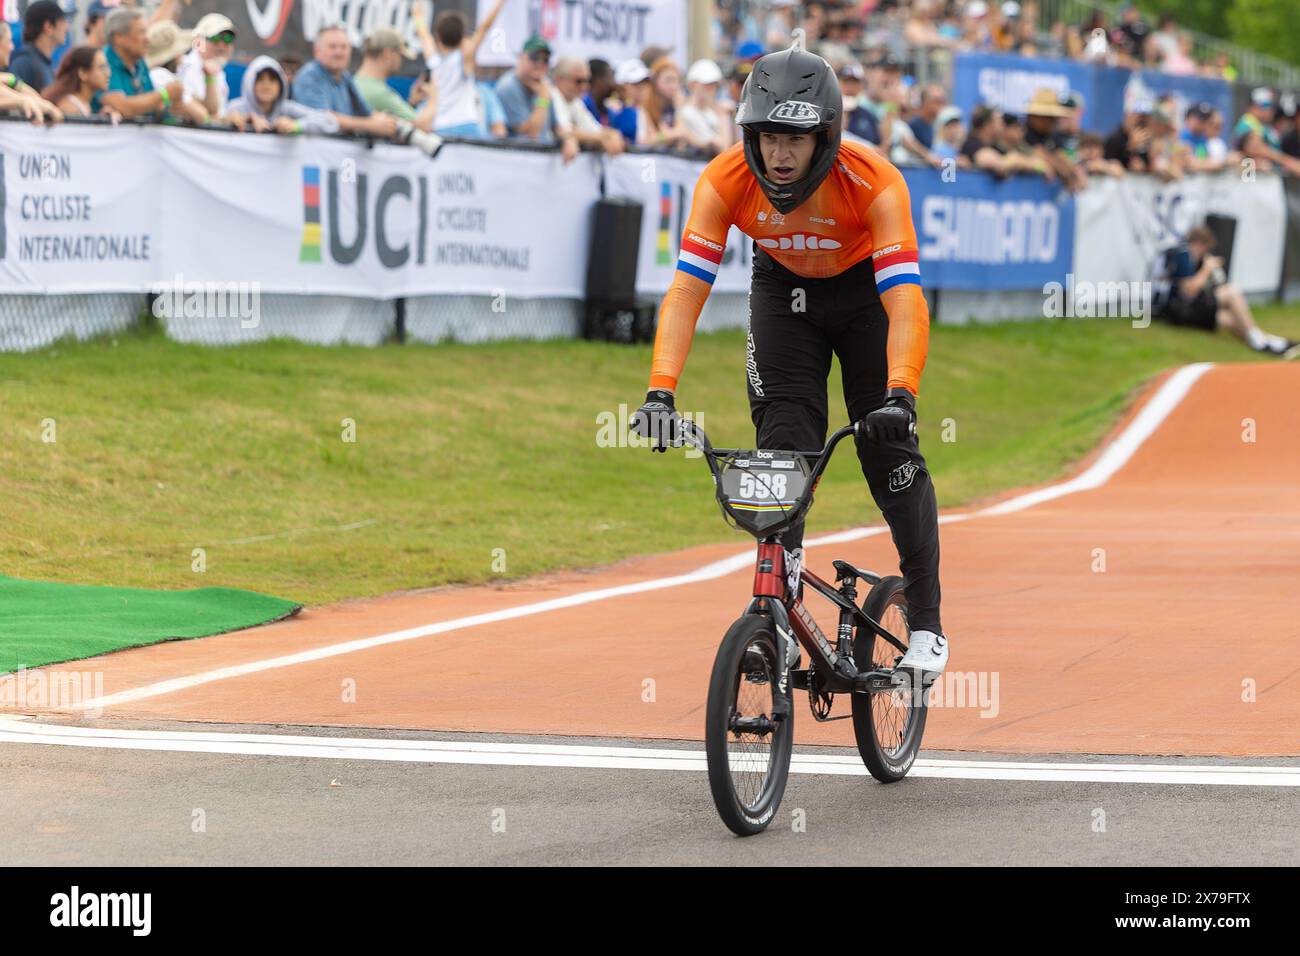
(73, 805)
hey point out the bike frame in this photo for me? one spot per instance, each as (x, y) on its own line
(773, 597)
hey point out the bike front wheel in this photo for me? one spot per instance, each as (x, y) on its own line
(888, 724)
(749, 726)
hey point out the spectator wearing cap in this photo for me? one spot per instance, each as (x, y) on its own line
(633, 80)
(740, 71)
(45, 29)
(326, 84)
(575, 123)
(202, 70)
(94, 25)
(949, 135)
(707, 123)
(1191, 289)
(1256, 138)
(382, 54)
(859, 119)
(1070, 126)
(131, 92)
(526, 93)
(1042, 117)
(977, 30)
(1202, 153)
(450, 54)
(165, 44)
(264, 106)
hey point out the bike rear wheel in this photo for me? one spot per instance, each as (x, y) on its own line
(749, 726)
(888, 725)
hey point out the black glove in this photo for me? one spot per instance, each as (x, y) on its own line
(658, 420)
(895, 420)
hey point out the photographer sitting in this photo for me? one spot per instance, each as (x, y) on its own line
(1191, 289)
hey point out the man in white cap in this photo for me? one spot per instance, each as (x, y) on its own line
(632, 77)
(708, 124)
(203, 70)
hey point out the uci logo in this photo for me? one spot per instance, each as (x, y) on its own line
(796, 113)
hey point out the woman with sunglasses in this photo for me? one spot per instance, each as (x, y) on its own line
(203, 69)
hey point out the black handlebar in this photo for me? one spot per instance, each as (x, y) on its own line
(693, 435)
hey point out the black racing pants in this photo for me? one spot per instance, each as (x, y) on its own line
(795, 324)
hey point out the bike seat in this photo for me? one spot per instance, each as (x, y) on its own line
(843, 570)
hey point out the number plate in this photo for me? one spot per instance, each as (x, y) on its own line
(761, 488)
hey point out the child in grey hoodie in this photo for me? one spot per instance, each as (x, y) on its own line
(264, 103)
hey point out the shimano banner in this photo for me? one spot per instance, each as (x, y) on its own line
(1007, 82)
(977, 232)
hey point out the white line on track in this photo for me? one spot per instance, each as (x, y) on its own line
(619, 758)
(1117, 453)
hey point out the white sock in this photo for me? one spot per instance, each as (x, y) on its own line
(1257, 340)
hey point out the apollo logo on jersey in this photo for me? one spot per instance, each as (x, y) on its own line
(799, 242)
(796, 113)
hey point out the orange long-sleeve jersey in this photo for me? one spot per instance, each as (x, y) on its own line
(861, 209)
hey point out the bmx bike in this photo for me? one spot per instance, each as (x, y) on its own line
(749, 730)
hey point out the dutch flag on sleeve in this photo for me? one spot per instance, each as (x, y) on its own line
(700, 257)
(896, 267)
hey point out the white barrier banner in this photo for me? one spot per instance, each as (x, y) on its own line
(664, 185)
(136, 209)
(1122, 225)
(613, 30)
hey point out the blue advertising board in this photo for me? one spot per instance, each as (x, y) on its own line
(1007, 82)
(975, 231)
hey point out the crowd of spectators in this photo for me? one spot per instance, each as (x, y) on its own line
(132, 63)
(903, 28)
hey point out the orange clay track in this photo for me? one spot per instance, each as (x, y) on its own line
(1200, 596)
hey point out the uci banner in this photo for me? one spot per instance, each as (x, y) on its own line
(132, 209)
(1125, 224)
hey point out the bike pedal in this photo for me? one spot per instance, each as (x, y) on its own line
(879, 681)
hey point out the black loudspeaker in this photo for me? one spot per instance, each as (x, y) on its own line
(1224, 229)
(615, 248)
(613, 313)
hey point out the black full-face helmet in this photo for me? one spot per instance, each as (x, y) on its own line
(791, 91)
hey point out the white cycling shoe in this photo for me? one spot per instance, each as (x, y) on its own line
(927, 653)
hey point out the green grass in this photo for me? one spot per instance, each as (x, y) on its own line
(163, 448)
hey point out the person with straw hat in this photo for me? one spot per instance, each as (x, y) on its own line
(1042, 117)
